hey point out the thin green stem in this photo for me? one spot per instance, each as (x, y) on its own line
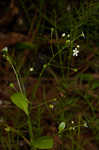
(30, 132)
(16, 74)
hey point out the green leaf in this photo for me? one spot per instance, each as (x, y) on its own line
(44, 142)
(20, 101)
(61, 127)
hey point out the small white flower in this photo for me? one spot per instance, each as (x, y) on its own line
(73, 128)
(63, 34)
(75, 52)
(68, 35)
(31, 69)
(72, 122)
(78, 46)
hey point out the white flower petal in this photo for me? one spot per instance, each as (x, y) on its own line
(63, 34)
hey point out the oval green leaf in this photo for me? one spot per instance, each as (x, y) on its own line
(20, 101)
(61, 127)
(44, 142)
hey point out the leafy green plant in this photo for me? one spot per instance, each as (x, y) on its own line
(20, 100)
(69, 28)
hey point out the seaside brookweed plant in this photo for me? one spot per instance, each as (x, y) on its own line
(21, 101)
